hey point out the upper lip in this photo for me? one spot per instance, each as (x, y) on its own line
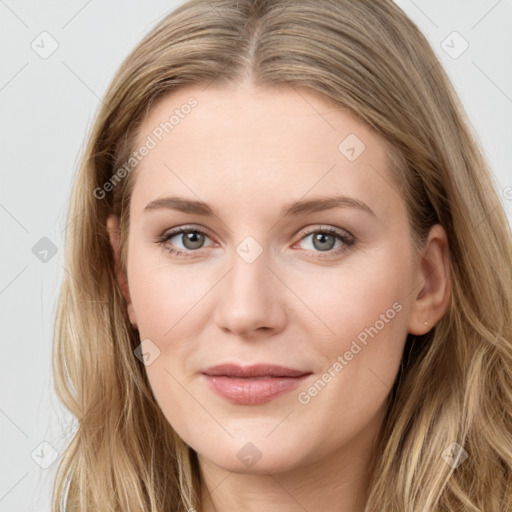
(257, 370)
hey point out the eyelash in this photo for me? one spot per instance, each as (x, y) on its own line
(348, 241)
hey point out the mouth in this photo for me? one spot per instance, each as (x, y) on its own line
(253, 385)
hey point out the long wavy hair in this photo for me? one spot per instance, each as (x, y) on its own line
(454, 384)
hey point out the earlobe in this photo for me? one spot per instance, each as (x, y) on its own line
(433, 292)
(122, 279)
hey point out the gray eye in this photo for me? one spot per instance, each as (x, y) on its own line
(323, 241)
(192, 239)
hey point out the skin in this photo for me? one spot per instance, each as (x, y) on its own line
(247, 152)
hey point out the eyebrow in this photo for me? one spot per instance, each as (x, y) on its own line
(297, 208)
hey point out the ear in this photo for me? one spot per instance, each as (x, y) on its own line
(433, 275)
(122, 279)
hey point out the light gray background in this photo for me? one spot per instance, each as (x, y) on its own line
(47, 107)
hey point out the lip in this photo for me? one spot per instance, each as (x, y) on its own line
(252, 385)
(255, 370)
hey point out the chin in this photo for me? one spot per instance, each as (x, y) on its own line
(258, 458)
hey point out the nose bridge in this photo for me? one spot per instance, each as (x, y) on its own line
(249, 295)
(250, 276)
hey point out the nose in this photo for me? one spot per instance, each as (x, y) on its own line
(251, 298)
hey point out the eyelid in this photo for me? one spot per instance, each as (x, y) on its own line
(306, 231)
(185, 227)
(326, 228)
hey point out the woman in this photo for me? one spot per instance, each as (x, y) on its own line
(216, 355)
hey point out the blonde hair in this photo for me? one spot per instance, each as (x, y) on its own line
(454, 383)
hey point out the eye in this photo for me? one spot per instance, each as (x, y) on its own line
(192, 239)
(324, 240)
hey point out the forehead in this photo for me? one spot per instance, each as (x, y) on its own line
(241, 144)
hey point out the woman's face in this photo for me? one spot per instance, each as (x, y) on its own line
(298, 255)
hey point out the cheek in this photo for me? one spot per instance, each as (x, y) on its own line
(167, 303)
(176, 398)
(359, 341)
(171, 304)
(343, 303)
(164, 294)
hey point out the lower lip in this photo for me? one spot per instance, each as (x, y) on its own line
(252, 391)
